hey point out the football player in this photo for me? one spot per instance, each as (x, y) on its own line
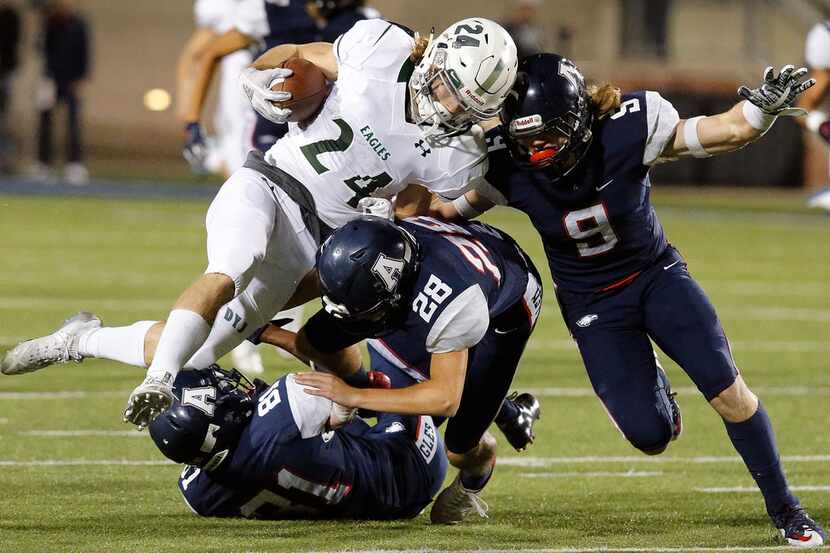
(576, 161)
(399, 112)
(270, 452)
(817, 100)
(335, 17)
(450, 308)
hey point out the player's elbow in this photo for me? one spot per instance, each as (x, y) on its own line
(447, 406)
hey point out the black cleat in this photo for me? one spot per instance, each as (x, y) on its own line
(663, 385)
(519, 431)
(798, 528)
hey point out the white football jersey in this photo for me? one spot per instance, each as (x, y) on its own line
(215, 15)
(817, 52)
(361, 144)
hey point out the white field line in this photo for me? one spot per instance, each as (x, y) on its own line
(4, 420)
(608, 549)
(738, 489)
(785, 391)
(83, 462)
(541, 462)
(63, 394)
(82, 433)
(626, 474)
(773, 346)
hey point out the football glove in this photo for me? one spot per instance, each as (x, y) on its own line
(150, 399)
(195, 149)
(256, 85)
(777, 94)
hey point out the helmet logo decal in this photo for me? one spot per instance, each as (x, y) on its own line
(198, 398)
(389, 270)
(570, 72)
(524, 124)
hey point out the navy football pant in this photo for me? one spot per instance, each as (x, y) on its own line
(612, 330)
(491, 366)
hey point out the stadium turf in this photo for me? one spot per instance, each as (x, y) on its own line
(74, 478)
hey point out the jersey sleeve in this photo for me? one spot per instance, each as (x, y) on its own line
(310, 412)
(817, 47)
(373, 44)
(661, 120)
(462, 166)
(250, 19)
(462, 324)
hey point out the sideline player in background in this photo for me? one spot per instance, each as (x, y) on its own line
(579, 168)
(450, 308)
(817, 100)
(275, 452)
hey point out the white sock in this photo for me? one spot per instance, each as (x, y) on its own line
(124, 344)
(184, 332)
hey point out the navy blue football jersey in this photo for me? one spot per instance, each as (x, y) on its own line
(597, 223)
(286, 465)
(342, 21)
(470, 272)
(288, 23)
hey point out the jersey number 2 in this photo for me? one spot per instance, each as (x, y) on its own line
(591, 229)
(362, 186)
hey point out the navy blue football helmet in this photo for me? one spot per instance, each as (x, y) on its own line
(367, 268)
(211, 408)
(549, 103)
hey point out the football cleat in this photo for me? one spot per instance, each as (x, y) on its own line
(663, 390)
(246, 358)
(820, 199)
(149, 400)
(519, 431)
(59, 347)
(798, 528)
(455, 503)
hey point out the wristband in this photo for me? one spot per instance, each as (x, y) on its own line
(756, 118)
(464, 208)
(692, 138)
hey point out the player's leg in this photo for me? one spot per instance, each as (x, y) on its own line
(696, 341)
(470, 448)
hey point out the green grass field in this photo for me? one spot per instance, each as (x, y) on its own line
(762, 259)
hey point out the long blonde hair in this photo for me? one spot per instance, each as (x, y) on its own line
(604, 99)
(420, 48)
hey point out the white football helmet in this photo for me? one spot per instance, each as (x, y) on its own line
(476, 62)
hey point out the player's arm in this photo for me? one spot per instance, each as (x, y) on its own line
(320, 54)
(745, 122)
(185, 74)
(438, 396)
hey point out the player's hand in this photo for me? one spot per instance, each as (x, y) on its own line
(777, 94)
(195, 148)
(330, 387)
(150, 399)
(256, 85)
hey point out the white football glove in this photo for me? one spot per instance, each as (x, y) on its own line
(776, 95)
(256, 85)
(379, 207)
(149, 400)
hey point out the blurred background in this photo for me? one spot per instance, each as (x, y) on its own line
(695, 52)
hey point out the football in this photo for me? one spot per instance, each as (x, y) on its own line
(308, 88)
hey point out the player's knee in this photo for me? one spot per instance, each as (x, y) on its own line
(651, 437)
(736, 403)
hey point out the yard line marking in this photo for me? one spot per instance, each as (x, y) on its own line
(785, 391)
(81, 433)
(83, 462)
(551, 461)
(605, 549)
(62, 394)
(779, 346)
(627, 474)
(3, 420)
(738, 489)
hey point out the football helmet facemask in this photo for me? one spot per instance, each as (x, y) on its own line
(463, 78)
